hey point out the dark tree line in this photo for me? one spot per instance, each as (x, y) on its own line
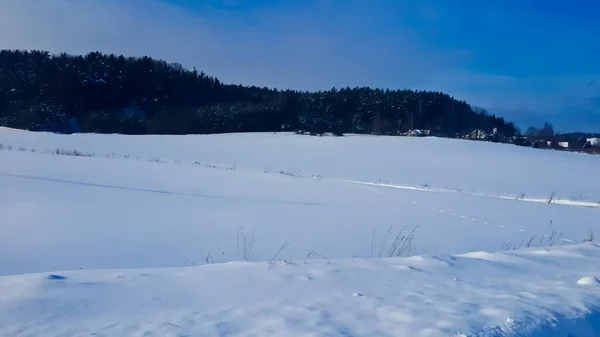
(116, 94)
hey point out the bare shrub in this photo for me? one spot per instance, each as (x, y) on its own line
(290, 173)
(551, 197)
(402, 245)
(277, 258)
(208, 258)
(217, 166)
(247, 243)
(295, 173)
(311, 254)
(189, 261)
(75, 153)
(372, 241)
(553, 239)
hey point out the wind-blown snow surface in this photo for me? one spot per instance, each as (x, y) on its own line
(534, 292)
(66, 212)
(171, 201)
(464, 165)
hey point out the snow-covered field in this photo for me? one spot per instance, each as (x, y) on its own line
(318, 212)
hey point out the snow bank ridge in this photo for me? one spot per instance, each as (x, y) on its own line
(530, 292)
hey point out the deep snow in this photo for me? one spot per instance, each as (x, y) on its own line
(469, 166)
(65, 212)
(170, 201)
(534, 293)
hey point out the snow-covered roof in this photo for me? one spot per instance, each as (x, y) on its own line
(594, 141)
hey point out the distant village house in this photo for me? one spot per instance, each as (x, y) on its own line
(417, 133)
(560, 144)
(477, 134)
(592, 143)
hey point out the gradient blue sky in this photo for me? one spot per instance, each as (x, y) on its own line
(528, 61)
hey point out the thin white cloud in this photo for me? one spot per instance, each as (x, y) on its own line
(315, 47)
(540, 93)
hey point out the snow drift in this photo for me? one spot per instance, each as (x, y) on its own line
(531, 292)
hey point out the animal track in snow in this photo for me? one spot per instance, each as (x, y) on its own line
(453, 214)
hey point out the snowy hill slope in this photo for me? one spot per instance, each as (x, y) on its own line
(308, 205)
(66, 212)
(534, 292)
(468, 166)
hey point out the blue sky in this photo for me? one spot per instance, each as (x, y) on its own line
(528, 61)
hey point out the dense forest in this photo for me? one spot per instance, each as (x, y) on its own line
(140, 95)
